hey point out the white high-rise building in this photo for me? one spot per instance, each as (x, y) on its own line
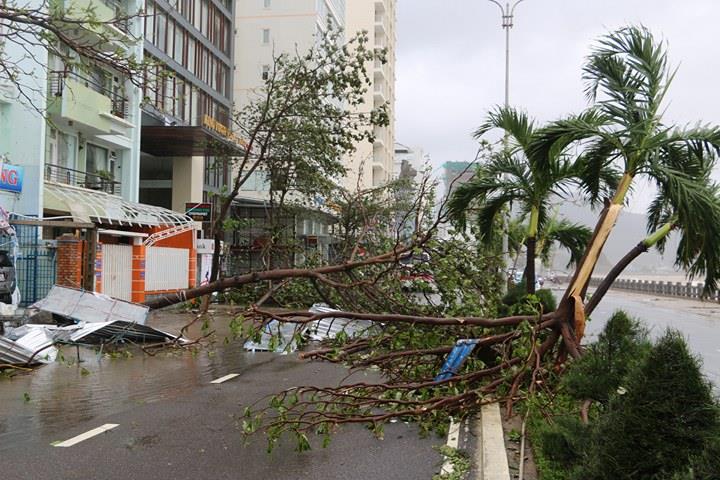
(377, 17)
(271, 27)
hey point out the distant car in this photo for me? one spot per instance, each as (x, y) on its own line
(413, 275)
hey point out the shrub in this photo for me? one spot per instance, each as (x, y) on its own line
(622, 344)
(515, 300)
(664, 418)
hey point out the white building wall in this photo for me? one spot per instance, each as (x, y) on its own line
(290, 25)
(378, 18)
(414, 156)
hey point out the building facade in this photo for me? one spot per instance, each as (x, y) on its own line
(270, 27)
(410, 162)
(187, 116)
(374, 163)
(70, 140)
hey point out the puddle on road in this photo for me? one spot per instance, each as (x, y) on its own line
(57, 396)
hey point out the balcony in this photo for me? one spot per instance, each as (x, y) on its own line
(379, 94)
(92, 181)
(83, 100)
(380, 27)
(107, 26)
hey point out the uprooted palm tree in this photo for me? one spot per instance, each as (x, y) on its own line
(518, 177)
(627, 79)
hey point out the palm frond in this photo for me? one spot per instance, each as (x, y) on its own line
(573, 237)
(554, 138)
(488, 213)
(515, 123)
(488, 180)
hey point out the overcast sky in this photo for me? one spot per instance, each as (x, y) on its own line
(450, 62)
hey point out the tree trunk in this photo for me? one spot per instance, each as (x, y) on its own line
(639, 249)
(530, 266)
(530, 245)
(578, 285)
(610, 278)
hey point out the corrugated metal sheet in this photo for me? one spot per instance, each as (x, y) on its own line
(328, 328)
(166, 268)
(82, 306)
(324, 329)
(276, 337)
(25, 343)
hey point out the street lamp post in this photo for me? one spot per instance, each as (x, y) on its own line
(508, 14)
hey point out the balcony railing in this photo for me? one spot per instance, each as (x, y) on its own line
(91, 181)
(119, 104)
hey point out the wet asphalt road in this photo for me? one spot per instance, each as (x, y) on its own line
(174, 424)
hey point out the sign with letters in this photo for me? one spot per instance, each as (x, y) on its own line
(11, 178)
(200, 212)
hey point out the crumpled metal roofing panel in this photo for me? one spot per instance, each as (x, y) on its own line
(90, 307)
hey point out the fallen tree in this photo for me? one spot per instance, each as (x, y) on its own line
(627, 77)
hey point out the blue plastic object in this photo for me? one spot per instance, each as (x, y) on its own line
(456, 358)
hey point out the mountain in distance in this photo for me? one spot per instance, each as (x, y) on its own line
(629, 230)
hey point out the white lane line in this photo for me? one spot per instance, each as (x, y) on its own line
(82, 437)
(226, 378)
(452, 442)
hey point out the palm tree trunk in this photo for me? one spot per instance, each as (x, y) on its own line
(578, 285)
(530, 245)
(637, 250)
(530, 266)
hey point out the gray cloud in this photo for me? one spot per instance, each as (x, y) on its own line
(450, 62)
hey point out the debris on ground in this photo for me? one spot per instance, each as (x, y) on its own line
(281, 337)
(79, 317)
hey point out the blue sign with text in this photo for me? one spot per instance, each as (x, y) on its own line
(11, 178)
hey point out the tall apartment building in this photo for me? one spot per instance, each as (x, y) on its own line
(377, 17)
(189, 104)
(268, 27)
(410, 162)
(91, 137)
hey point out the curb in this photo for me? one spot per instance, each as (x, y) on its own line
(490, 457)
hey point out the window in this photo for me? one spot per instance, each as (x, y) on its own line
(265, 72)
(266, 3)
(150, 20)
(160, 30)
(266, 36)
(96, 159)
(179, 37)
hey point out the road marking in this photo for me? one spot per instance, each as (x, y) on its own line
(82, 437)
(452, 442)
(226, 378)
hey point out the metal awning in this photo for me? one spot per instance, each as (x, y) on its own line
(122, 233)
(99, 207)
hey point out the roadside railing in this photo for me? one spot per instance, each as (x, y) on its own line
(692, 290)
(91, 181)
